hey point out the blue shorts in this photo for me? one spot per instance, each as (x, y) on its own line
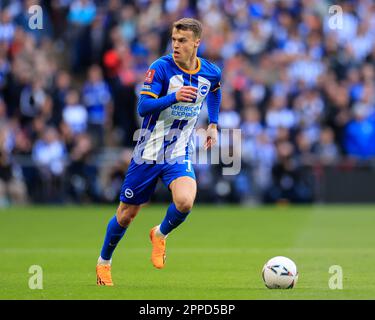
(141, 179)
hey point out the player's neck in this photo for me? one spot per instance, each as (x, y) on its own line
(190, 64)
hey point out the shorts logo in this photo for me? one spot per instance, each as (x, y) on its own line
(129, 193)
(203, 90)
(149, 75)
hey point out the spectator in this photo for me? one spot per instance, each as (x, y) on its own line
(3, 113)
(260, 156)
(61, 87)
(4, 68)
(128, 24)
(75, 114)
(12, 186)
(360, 133)
(251, 126)
(290, 182)
(304, 146)
(7, 27)
(326, 149)
(278, 115)
(81, 14)
(308, 108)
(362, 44)
(306, 70)
(229, 117)
(97, 99)
(82, 185)
(49, 155)
(31, 101)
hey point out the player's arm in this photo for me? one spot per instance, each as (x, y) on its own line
(148, 104)
(213, 106)
(151, 103)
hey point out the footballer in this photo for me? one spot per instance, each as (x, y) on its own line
(170, 101)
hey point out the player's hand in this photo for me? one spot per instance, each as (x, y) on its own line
(186, 94)
(211, 136)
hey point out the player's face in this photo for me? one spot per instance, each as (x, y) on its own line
(184, 45)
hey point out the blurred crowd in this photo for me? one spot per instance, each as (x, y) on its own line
(297, 80)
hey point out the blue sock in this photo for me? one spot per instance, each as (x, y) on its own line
(114, 234)
(172, 219)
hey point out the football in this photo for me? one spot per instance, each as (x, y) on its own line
(280, 273)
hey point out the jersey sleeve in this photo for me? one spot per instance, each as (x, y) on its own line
(213, 106)
(153, 82)
(216, 82)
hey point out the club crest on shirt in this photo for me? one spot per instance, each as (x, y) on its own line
(149, 75)
(203, 90)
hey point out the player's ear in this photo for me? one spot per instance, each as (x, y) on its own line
(197, 42)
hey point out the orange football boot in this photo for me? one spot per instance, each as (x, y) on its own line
(158, 249)
(103, 275)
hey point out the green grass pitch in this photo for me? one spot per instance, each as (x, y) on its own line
(218, 253)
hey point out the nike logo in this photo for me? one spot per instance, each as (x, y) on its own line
(170, 222)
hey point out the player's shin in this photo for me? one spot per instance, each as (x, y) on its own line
(114, 234)
(172, 220)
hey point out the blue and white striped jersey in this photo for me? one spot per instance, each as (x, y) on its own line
(168, 134)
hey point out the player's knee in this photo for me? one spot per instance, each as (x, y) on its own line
(126, 214)
(184, 204)
(124, 218)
